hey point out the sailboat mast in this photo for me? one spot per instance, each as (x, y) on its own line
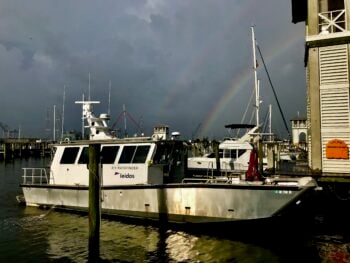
(256, 85)
(109, 98)
(257, 104)
(124, 114)
(64, 99)
(54, 123)
(270, 121)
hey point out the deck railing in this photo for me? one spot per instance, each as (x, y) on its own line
(210, 170)
(35, 176)
(332, 22)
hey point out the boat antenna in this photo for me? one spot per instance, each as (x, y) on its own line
(82, 121)
(273, 90)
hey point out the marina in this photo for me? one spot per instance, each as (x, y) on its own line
(147, 177)
(24, 148)
(103, 195)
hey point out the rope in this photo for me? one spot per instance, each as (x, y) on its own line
(274, 92)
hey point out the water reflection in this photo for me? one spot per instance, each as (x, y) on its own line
(332, 249)
(33, 235)
(67, 240)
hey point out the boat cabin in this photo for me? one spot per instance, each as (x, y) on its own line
(123, 163)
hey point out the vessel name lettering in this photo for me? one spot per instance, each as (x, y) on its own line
(127, 167)
(127, 176)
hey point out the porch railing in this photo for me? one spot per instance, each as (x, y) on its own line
(332, 22)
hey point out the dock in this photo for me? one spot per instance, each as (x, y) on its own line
(23, 148)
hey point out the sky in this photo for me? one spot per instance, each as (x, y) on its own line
(184, 63)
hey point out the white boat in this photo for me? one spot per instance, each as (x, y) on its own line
(144, 178)
(234, 155)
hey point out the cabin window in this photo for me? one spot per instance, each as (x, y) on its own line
(234, 154)
(141, 154)
(134, 154)
(127, 154)
(161, 155)
(230, 153)
(109, 153)
(69, 155)
(240, 152)
(211, 155)
(84, 156)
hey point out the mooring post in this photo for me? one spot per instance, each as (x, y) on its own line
(260, 156)
(217, 157)
(94, 202)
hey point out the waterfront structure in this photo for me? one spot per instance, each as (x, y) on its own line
(25, 147)
(327, 61)
(299, 132)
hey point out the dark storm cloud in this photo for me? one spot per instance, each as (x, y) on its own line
(168, 61)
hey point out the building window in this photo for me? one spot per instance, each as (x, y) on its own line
(69, 155)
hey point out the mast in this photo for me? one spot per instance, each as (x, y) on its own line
(124, 114)
(270, 121)
(109, 98)
(257, 105)
(256, 84)
(54, 122)
(64, 99)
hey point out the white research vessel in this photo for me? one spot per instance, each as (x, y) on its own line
(145, 178)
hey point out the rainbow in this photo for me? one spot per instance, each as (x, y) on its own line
(238, 83)
(219, 107)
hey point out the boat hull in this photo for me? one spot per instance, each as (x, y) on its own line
(182, 203)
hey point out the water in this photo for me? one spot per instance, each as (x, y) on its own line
(35, 235)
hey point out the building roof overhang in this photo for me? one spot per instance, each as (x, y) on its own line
(299, 11)
(328, 39)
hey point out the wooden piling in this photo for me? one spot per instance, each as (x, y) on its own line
(217, 157)
(94, 202)
(260, 156)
